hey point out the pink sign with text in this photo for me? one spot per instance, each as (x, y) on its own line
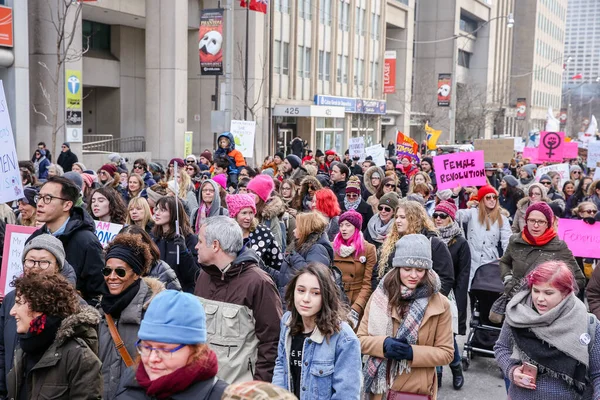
(465, 169)
(581, 238)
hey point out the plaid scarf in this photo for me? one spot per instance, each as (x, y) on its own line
(381, 324)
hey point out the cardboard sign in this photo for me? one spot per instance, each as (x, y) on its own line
(106, 231)
(571, 150)
(378, 154)
(356, 147)
(496, 150)
(582, 239)
(466, 169)
(12, 265)
(562, 169)
(10, 175)
(243, 134)
(551, 146)
(593, 154)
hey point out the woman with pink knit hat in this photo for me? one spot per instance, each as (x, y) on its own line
(269, 209)
(242, 208)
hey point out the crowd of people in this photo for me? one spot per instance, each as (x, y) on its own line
(314, 275)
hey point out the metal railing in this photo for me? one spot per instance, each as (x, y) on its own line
(95, 138)
(135, 144)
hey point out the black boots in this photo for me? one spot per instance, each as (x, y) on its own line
(458, 380)
(439, 376)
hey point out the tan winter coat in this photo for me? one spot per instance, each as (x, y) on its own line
(435, 346)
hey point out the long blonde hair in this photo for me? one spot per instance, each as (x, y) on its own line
(186, 182)
(490, 217)
(142, 203)
(418, 221)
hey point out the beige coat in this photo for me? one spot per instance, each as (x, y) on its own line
(435, 346)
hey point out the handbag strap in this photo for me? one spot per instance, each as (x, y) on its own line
(119, 345)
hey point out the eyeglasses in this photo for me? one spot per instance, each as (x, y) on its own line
(190, 169)
(546, 183)
(351, 195)
(536, 222)
(103, 172)
(43, 264)
(491, 197)
(385, 208)
(64, 147)
(439, 215)
(390, 185)
(137, 167)
(589, 212)
(121, 272)
(47, 198)
(163, 354)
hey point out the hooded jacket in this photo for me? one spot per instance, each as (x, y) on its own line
(235, 157)
(215, 206)
(309, 180)
(271, 217)
(297, 174)
(245, 284)
(69, 368)
(522, 206)
(66, 160)
(83, 251)
(42, 167)
(371, 190)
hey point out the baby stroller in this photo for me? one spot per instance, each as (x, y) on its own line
(486, 287)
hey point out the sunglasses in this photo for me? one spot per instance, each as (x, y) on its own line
(491, 197)
(385, 208)
(351, 195)
(576, 172)
(390, 185)
(589, 212)
(439, 215)
(546, 183)
(137, 167)
(121, 272)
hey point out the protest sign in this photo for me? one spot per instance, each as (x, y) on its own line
(466, 169)
(596, 174)
(551, 146)
(532, 154)
(519, 145)
(581, 238)
(593, 154)
(496, 150)
(378, 154)
(356, 147)
(106, 231)
(243, 133)
(562, 169)
(10, 175)
(571, 150)
(12, 264)
(406, 146)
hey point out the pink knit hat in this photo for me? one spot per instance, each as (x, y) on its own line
(262, 185)
(447, 207)
(88, 179)
(221, 179)
(236, 202)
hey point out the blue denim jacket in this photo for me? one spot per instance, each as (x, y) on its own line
(330, 370)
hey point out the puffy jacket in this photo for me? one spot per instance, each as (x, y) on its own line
(43, 165)
(521, 257)
(84, 253)
(243, 284)
(127, 325)
(187, 269)
(235, 157)
(69, 368)
(331, 368)
(339, 188)
(161, 271)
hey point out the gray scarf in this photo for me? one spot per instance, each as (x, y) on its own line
(449, 232)
(351, 205)
(561, 327)
(377, 229)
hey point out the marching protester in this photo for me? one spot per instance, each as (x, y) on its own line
(209, 199)
(326, 203)
(372, 180)
(28, 207)
(269, 208)
(305, 198)
(107, 205)
(67, 158)
(535, 193)
(139, 214)
(353, 201)
(381, 224)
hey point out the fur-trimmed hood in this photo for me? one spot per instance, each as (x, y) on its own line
(367, 178)
(306, 182)
(275, 207)
(155, 286)
(82, 325)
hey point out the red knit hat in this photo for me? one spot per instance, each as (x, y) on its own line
(110, 168)
(180, 162)
(353, 217)
(353, 185)
(542, 207)
(447, 207)
(330, 152)
(484, 191)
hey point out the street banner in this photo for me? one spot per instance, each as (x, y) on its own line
(187, 142)
(6, 27)
(521, 108)
(10, 175)
(106, 231)
(432, 136)
(551, 146)
(243, 134)
(406, 146)
(571, 149)
(561, 169)
(593, 156)
(465, 169)
(444, 90)
(496, 150)
(378, 154)
(73, 89)
(389, 72)
(12, 264)
(210, 46)
(356, 147)
(581, 238)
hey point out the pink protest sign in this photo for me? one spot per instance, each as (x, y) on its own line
(466, 169)
(581, 238)
(12, 264)
(571, 150)
(532, 154)
(551, 146)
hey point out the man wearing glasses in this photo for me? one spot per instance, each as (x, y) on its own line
(74, 227)
(67, 158)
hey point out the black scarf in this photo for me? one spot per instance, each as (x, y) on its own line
(36, 341)
(115, 304)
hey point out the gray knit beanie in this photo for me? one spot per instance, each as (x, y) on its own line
(511, 180)
(48, 243)
(413, 251)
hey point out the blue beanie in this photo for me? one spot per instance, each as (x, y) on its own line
(174, 317)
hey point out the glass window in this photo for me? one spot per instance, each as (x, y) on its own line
(277, 57)
(356, 71)
(96, 34)
(327, 65)
(339, 69)
(345, 69)
(300, 61)
(464, 58)
(321, 62)
(307, 62)
(467, 24)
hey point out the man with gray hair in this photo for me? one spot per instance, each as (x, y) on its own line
(243, 308)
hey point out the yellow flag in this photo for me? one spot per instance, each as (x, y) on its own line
(432, 136)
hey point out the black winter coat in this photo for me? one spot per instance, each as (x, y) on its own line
(188, 269)
(84, 253)
(66, 160)
(461, 258)
(339, 188)
(365, 210)
(164, 273)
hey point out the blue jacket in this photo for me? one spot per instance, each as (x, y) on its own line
(332, 369)
(43, 168)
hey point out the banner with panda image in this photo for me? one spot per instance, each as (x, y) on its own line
(444, 92)
(210, 45)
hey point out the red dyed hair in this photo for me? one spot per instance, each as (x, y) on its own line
(327, 203)
(555, 273)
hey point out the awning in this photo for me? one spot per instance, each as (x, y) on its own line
(309, 111)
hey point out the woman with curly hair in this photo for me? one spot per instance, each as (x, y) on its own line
(107, 205)
(127, 259)
(327, 204)
(58, 344)
(313, 335)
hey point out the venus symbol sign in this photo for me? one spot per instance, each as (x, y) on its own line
(551, 146)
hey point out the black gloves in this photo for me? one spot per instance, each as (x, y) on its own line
(180, 241)
(397, 349)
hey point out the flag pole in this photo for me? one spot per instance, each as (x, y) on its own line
(246, 61)
(270, 100)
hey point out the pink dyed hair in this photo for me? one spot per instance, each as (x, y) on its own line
(555, 273)
(356, 240)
